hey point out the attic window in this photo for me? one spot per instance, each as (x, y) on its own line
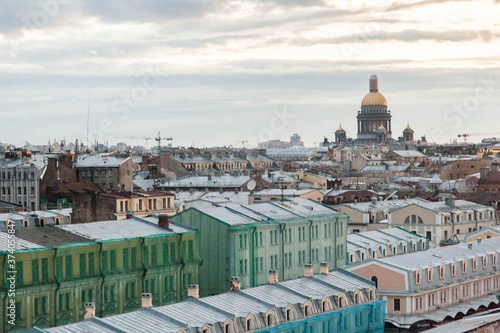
(418, 277)
(485, 262)
(464, 266)
(429, 274)
(227, 328)
(441, 272)
(249, 324)
(453, 269)
(288, 314)
(494, 259)
(474, 264)
(306, 310)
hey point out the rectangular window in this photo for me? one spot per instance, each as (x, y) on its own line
(154, 259)
(165, 253)
(69, 267)
(83, 265)
(397, 305)
(45, 270)
(19, 275)
(112, 260)
(191, 250)
(35, 271)
(133, 257)
(172, 252)
(125, 259)
(59, 267)
(91, 264)
(261, 263)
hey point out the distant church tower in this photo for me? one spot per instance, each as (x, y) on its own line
(408, 134)
(340, 135)
(381, 134)
(373, 114)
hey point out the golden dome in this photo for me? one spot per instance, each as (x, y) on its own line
(408, 127)
(373, 98)
(381, 127)
(340, 128)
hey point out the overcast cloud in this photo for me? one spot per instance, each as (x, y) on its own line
(217, 72)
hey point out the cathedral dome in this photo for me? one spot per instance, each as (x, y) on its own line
(373, 98)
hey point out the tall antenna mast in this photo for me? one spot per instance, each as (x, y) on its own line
(88, 120)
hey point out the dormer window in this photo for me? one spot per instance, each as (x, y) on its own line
(464, 266)
(288, 314)
(485, 262)
(269, 320)
(429, 274)
(323, 306)
(418, 277)
(441, 272)
(227, 328)
(306, 310)
(494, 259)
(453, 269)
(341, 302)
(249, 324)
(474, 264)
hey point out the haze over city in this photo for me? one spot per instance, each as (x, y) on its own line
(224, 68)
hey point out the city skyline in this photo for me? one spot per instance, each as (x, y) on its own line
(219, 73)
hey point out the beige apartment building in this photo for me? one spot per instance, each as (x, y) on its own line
(428, 287)
(437, 221)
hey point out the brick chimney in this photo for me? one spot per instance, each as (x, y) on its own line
(235, 283)
(323, 268)
(146, 300)
(273, 276)
(194, 291)
(89, 310)
(163, 221)
(308, 270)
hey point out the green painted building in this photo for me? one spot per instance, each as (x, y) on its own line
(249, 240)
(110, 263)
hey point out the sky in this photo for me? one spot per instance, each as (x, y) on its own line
(220, 73)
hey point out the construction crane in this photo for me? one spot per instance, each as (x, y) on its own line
(466, 135)
(136, 138)
(159, 138)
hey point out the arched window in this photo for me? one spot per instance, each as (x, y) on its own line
(375, 281)
(57, 221)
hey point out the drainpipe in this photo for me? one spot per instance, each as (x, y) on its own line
(253, 271)
(58, 283)
(103, 276)
(183, 261)
(309, 240)
(282, 250)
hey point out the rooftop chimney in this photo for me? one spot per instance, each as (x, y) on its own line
(235, 283)
(479, 240)
(374, 201)
(323, 268)
(308, 270)
(146, 300)
(194, 291)
(273, 276)
(163, 221)
(469, 245)
(129, 214)
(89, 310)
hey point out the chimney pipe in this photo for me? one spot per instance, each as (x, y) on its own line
(146, 300)
(273, 276)
(163, 221)
(129, 214)
(323, 268)
(89, 310)
(235, 283)
(478, 240)
(194, 291)
(308, 270)
(469, 246)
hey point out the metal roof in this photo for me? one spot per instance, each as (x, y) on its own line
(100, 161)
(20, 244)
(193, 314)
(116, 229)
(204, 181)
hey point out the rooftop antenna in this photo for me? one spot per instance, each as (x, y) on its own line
(88, 119)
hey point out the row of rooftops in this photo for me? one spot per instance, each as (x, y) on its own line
(443, 255)
(291, 208)
(437, 207)
(378, 238)
(134, 227)
(234, 308)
